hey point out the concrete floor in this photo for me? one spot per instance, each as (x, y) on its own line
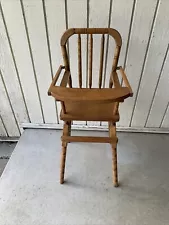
(6, 150)
(30, 193)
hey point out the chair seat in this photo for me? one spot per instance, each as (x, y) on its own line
(89, 112)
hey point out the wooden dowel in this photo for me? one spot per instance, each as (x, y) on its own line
(116, 58)
(65, 57)
(126, 82)
(114, 66)
(112, 32)
(79, 61)
(116, 107)
(101, 60)
(90, 59)
(111, 140)
(65, 79)
(63, 107)
(66, 63)
(56, 77)
(115, 79)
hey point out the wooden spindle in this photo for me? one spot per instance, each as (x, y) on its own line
(79, 61)
(90, 59)
(114, 66)
(63, 107)
(116, 58)
(101, 60)
(65, 57)
(66, 63)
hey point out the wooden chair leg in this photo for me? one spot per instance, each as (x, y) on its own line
(115, 171)
(112, 133)
(66, 132)
(62, 167)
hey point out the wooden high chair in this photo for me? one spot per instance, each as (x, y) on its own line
(90, 104)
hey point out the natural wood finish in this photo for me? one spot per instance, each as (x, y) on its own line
(116, 106)
(115, 171)
(126, 82)
(101, 60)
(56, 77)
(89, 139)
(112, 134)
(90, 104)
(65, 79)
(63, 155)
(66, 62)
(115, 79)
(63, 107)
(116, 58)
(79, 61)
(89, 112)
(65, 58)
(87, 94)
(90, 59)
(112, 32)
(62, 166)
(112, 129)
(116, 83)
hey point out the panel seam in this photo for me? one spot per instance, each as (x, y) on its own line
(145, 58)
(14, 61)
(161, 70)
(32, 60)
(49, 49)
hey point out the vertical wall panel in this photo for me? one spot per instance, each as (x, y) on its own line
(78, 19)
(140, 32)
(9, 76)
(38, 41)
(2, 129)
(16, 29)
(56, 26)
(97, 18)
(6, 112)
(30, 54)
(161, 98)
(165, 122)
(121, 13)
(55, 12)
(154, 62)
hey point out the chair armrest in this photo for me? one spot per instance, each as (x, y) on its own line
(56, 77)
(88, 94)
(65, 78)
(124, 78)
(115, 80)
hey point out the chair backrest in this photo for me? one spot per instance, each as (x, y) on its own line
(90, 31)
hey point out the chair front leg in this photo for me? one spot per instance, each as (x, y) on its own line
(66, 132)
(63, 160)
(112, 133)
(115, 171)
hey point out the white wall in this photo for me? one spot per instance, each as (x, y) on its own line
(30, 54)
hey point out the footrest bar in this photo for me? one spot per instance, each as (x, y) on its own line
(89, 139)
